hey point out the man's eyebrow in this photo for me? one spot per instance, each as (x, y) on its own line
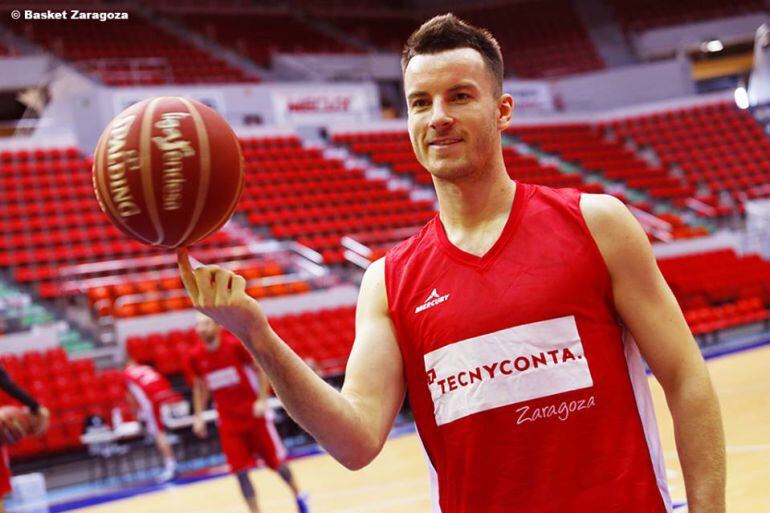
(463, 85)
(416, 94)
(456, 87)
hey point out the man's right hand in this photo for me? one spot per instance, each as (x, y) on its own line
(199, 428)
(221, 294)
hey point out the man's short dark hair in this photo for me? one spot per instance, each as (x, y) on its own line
(448, 32)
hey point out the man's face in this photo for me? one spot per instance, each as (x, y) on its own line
(207, 329)
(454, 112)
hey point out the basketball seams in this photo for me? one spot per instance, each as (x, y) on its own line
(204, 152)
(230, 209)
(147, 175)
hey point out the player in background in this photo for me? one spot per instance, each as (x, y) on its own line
(148, 391)
(42, 418)
(220, 366)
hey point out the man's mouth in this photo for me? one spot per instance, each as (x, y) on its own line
(444, 142)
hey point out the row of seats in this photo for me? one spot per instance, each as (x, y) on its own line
(718, 150)
(130, 52)
(40, 154)
(166, 352)
(710, 319)
(714, 277)
(71, 389)
(323, 338)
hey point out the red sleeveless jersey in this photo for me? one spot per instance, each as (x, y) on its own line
(149, 383)
(527, 393)
(231, 378)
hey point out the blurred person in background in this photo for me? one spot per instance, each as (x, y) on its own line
(218, 365)
(12, 432)
(148, 391)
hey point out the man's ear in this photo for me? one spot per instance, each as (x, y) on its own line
(504, 111)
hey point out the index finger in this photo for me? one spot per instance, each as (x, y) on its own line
(186, 271)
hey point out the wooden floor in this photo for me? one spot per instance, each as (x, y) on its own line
(397, 480)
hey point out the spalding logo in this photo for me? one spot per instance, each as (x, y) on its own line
(116, 168)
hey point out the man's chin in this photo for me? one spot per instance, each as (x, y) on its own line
(450, 171)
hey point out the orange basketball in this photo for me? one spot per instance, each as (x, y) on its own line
(168, 171)
(16, 423)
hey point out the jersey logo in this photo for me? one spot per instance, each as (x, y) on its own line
(434, 299)
(223, 378)
(506, 367)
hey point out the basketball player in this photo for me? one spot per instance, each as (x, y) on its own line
(219, 365)
(42, 416)
(148, 391)
(509, 317)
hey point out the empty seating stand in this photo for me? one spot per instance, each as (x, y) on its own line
(71, 389)
(258, 36)
(132, 52)
(641, 15)
(538, 38)
(49, 219)
(299, 194)
(386, 32)
(585, 145)
(393, 149)
(323, 338)
(719, 151)
(719, 289)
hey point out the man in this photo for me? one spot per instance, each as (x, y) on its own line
(219, 365)
(148, 391)
(509, 319)
(14, 432)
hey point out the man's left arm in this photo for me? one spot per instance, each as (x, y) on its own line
(650, 311)
(260, 407)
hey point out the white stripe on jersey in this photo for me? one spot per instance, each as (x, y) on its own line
(641, 386)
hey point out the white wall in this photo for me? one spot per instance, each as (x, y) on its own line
(667, 40)
(23, 71)
(627, 85)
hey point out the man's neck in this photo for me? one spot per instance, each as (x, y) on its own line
(472, 204)
(474, 211)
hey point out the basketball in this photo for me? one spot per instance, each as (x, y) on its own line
(15, 424)
(168, 171)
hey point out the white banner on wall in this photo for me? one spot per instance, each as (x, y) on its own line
(530, 96)
(319, 105)
(211, 98)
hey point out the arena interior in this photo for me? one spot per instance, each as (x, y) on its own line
(662, 104)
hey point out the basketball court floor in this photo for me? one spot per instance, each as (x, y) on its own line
(397, 480)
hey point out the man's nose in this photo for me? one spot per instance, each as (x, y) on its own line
(440, 118)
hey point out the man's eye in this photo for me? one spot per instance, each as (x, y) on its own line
(419, 103)
(462, 96)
